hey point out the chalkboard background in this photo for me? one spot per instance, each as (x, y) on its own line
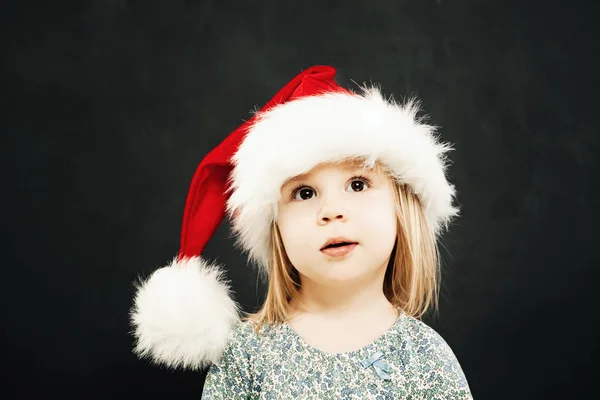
(108, 107)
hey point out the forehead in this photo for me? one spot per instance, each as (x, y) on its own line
(346, 165)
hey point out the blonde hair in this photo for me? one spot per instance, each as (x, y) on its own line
(412, 278)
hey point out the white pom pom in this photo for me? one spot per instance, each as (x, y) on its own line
(183, 314)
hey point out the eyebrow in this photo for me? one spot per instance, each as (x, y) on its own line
(302, 177)
(297, 178)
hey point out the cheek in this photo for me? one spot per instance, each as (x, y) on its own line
(295, 231)
(378, 223)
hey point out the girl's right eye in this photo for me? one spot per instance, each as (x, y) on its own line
(302, 193)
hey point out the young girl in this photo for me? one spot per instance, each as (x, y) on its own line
(339, 199)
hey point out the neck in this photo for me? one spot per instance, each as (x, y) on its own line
(347, 299)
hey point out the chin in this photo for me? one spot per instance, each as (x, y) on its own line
(340, 272)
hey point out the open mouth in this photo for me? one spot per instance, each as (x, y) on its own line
(336, 245)
(339, 249)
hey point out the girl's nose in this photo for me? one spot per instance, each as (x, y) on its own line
(332, 211)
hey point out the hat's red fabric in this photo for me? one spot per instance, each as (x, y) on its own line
(207, 196)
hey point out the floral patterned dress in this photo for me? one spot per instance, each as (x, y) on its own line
(409, 361)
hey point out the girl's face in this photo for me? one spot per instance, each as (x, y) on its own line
(338, 201)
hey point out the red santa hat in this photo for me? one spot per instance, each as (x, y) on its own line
(183, 313)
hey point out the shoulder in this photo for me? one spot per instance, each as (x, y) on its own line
(436, 359)
(231, 375)
(423, 335)
(242, 332)
(244, 338)
(428, 345)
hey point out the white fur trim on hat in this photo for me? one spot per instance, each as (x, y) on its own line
(183, 314)
(292, 138)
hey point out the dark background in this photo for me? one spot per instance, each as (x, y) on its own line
(108, 107)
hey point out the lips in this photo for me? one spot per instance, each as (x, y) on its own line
(337, 242)
(338, 247)
(339, 251)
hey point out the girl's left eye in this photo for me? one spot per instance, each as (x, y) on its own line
(359, 183)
